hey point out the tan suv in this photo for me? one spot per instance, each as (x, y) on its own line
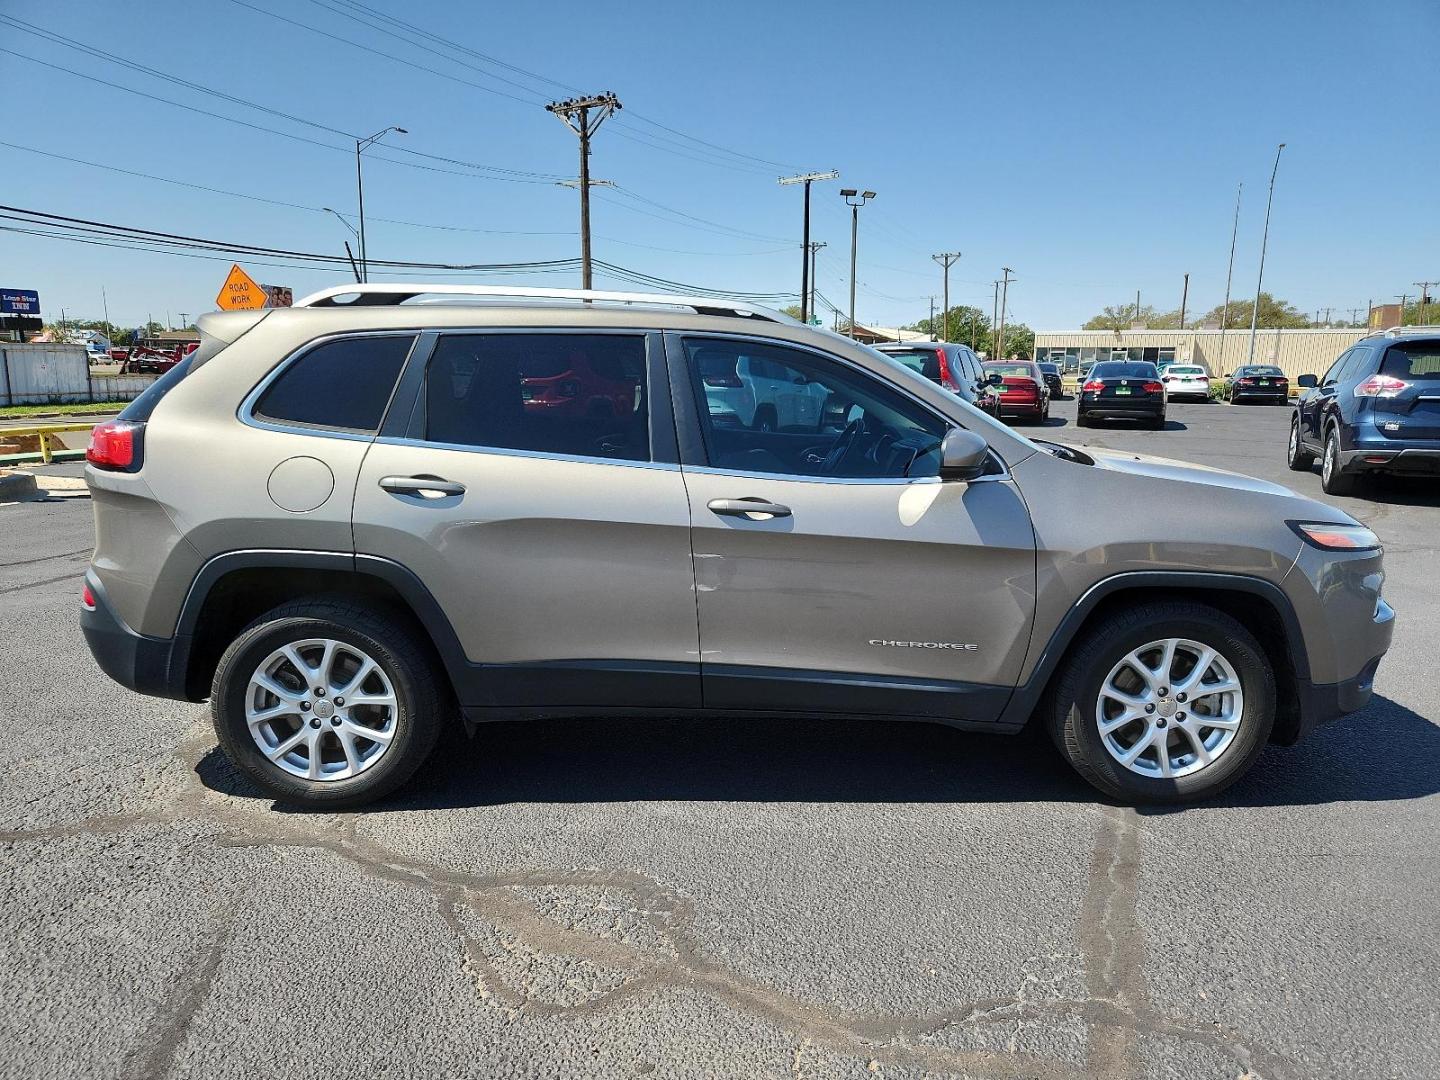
(349, 521)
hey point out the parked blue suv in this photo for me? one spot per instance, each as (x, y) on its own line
(1376, 410)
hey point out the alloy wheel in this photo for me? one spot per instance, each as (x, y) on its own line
(1169, 708)
(321, 709)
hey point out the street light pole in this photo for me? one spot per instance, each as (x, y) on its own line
(1229, 272)
(1264, 240)
(806, 252)
(362, 145)
(854, 199)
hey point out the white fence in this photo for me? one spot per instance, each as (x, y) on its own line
(47, 374)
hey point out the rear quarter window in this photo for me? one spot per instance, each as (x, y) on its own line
(343, 384)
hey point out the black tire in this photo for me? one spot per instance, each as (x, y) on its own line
(1333, 481)
(1069, 708)
(1296, 456)
(1082, 419)
(1157, 423)
(410, 667)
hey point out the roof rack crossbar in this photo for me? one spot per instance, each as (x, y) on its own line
(390, 293)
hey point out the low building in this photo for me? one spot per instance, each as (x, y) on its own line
(1295, 352)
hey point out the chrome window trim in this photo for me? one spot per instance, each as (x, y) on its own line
(539, 455)
(246, 412)
(866, 481)
(1004, 473)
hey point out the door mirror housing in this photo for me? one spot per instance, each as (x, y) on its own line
(1307, 382)
(963, 455)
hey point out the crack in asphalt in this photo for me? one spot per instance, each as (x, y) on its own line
(1115, 1010)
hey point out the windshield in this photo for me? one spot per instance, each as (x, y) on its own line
(1110, 370)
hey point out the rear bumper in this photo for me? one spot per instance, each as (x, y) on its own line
(153, 666)
(1146, 407)
(1020, 408)
(1259, 394)
(1385, 455)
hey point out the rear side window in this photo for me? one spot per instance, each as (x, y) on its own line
(576, 394)
(1418, 361)
(343, 384)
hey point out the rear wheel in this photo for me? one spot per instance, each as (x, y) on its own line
(1333, 481)
(1297, 457)
(1082, 419)
(1166, 702)
(1158, 423)
(327, 705)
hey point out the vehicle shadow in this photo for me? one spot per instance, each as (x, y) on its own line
(1393, 490)
(805, 760)
(1119, 424)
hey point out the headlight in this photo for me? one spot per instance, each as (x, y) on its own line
(1328, 537)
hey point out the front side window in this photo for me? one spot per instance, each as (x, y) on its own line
(343, 384)
(818, 416)
(574, 394)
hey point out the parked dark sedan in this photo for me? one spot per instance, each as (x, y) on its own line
(1259, 382)
(1053, 380)
(1122, 390)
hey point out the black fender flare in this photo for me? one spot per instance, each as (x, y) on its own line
(1027, 696)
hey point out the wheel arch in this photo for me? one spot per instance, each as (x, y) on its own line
(1272, 620)
(234, 588)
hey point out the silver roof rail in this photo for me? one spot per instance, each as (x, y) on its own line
(1397, 331)
(388, 293)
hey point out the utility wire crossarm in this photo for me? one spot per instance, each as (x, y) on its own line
(806, 250)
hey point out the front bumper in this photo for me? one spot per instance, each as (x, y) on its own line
(153, 666)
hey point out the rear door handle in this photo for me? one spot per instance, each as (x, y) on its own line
(744, 507)
(421, 485)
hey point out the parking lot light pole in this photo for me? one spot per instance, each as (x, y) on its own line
(854, 199)
(1264, 240)
(1229, 273)
(361, 145)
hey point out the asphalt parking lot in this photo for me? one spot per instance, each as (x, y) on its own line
(641, 898)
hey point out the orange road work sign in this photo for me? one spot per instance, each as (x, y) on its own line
(240, 292)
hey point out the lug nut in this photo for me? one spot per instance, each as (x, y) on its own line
(304, 706)
(341, 701)
(1160, 722)
(314, 721)
(335, 721)
(1179, 697)
(319, 691)
(1149, 708)
(1179, 716)
(1164, 690)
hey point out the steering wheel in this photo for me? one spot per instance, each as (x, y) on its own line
(842, 447)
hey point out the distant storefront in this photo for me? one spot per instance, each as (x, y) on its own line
(1296, 352)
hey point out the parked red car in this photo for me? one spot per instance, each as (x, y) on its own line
(584, 385)
(1022, 391)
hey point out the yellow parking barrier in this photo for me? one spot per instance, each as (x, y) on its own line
(42, 433)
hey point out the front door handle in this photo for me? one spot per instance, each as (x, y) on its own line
(421, 485)
(745, 507)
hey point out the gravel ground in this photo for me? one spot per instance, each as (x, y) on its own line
(641, 898)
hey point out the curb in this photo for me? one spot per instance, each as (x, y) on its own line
(16, 485)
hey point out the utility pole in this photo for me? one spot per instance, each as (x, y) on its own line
(1264, 241)
(184, 321)
(1425, 287)
(1327, 315)
(946, 259)
(361, 145)
(1137, 305)
(932, 318)
(807, 306)
(575, 113)
(854, 199)
(1000, 334)
(1354, 314)
(1229, 273)
(1184, 296)
(815, 246)
(105, 306)
(1402, 297)
(994, 316)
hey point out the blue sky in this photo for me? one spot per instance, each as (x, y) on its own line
(1094, 148)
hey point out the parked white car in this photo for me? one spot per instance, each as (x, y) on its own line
(761, 393)
(1186, 380)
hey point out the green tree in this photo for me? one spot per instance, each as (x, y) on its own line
(793, 310)
(963, 320)
(1121, 316)
(1274, 314)
(1019, 341)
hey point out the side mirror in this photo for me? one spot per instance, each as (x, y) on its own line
(963, 455)
(1307, 382)
(995, 379)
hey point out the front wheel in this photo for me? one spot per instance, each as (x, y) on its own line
(326, 705)
(1297, 457)
(1163, 703)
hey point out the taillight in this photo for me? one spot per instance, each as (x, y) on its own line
(1152, 387)
(1093, 386)
(1244, 382)
(1382, 386)
(116, 445)
(945, 380)
(87, 598)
